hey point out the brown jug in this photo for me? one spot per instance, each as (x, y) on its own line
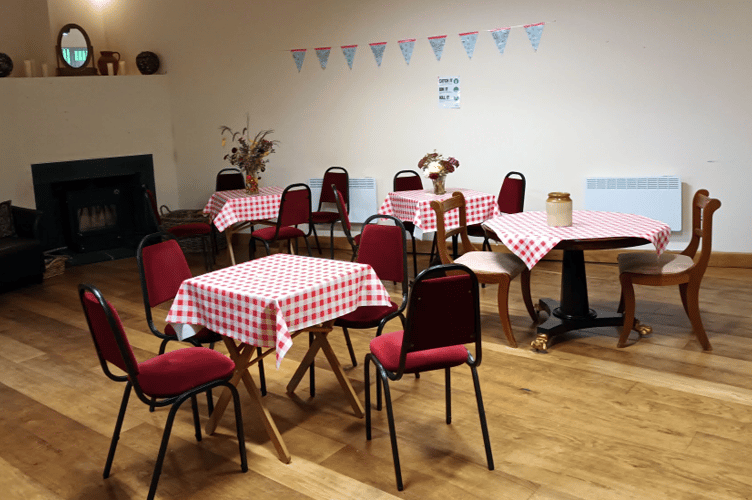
(108, 57)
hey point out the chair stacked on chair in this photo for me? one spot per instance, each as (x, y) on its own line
(443, 314)
(339, 177)
(165, 380)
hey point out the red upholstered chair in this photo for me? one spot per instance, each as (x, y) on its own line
(354, 241)
(294, 209)
(442, 316)
(202, 230)
(511, 200)
(685, 269)
(229, 179)
(409, 180)
(169, 379)
(162, 268)
(339, 177)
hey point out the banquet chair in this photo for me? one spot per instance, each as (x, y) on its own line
(511, 200)
(228, 179)
(685, 269)
(354, 241)
(489, 267)
(203, 230)
(169, 379)
(409, 180)
(294, 209)
(443, 315)
(339, 177)
(162, 268)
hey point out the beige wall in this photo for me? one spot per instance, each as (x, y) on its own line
(622, 88)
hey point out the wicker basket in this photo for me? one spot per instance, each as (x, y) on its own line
(54, 265)
(171, 218)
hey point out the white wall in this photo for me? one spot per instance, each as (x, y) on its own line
(622, 88)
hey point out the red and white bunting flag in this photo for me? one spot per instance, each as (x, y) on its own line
(437, 44)
(298, 55)
(378, 51)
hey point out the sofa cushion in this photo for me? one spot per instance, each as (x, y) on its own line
(6, 220)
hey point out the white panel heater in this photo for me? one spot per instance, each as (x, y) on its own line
(363, 200)
(656, 197)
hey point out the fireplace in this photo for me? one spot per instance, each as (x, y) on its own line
(94, 210)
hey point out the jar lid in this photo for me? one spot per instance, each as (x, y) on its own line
(557, 194)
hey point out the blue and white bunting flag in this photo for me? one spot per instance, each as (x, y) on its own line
(349, 52)
(323, 54)
(298, 55)
(534, 33)
(500, 36)
(468, 41)
(407, 46)
(378, 51)
(437, 44)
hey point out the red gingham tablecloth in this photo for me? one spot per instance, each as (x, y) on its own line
(229, 207)
(262, 301)
(415, 207)
(528, 235)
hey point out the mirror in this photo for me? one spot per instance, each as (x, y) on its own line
(74, 52)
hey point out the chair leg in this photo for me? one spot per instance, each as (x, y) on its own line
(163, 345)
(308, 247)
(312, 370)
(239, 426)
(481, 414)
(196, 423)
(350, 347)
(163, 449)
(503, 304)
(448, 390)
(316, 236)
(526, 296)
(392, 431)
(627, 304)
(692, 294)
(116, 433)
(367, 382)
(415, 257)
(262, 375)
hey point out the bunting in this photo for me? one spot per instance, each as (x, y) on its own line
(534, 33)
(468, 41)
(437, 44)
(323, 54)
(349, 52)
(500, 36)
(407, 46)
(298, 55)
(378, 51)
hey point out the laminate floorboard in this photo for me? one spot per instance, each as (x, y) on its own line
(659, 419)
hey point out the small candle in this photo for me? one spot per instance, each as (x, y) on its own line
(121, 68)
(110, 69)
(27, 67)
(45, 70)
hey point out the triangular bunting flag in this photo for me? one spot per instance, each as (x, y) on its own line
(378, 51)
(299, 56)
(500, 36)
(407, 46)
(323, 54)
(437, 44)
(468, 41)
(349, 52)
(534, 33)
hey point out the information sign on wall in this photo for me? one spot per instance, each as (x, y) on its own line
(449, 92)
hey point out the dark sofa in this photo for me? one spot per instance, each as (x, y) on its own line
(21, 257)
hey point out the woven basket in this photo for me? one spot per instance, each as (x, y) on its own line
(54, 265)
(171, 218)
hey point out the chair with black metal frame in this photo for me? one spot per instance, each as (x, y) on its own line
(203, 230)
(340, 178)
(228, 179)
(294, 210)
(685, 269)
(489, 267)
(162, 268)
(354, 241)
(442, 316)
(409, 180)
(169, 379)
(511, 200)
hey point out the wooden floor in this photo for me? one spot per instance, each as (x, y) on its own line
(659, 419)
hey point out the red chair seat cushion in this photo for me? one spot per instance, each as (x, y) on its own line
(356, 239)
(324, 217)
(387, 349)
(285, 233)
(176, 372)
(366, 316)
(204, 335)
(191, 229)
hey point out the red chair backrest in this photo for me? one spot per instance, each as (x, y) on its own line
(342, 208)
(165, 269)
(512, 194)
(339, 177)
(295, 207)
(229, 178)
(410, 182)
(382, 247)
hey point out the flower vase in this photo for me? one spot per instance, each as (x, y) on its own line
(251, 184)
(438, 185)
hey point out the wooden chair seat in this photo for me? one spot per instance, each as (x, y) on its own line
(492, 262)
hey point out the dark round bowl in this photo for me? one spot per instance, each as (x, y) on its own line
(6, 65)
(147, 63)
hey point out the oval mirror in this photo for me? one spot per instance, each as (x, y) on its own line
(74, 51)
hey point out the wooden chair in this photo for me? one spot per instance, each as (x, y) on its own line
(409, 180)
(354, 241)
(165, 380)
(443, 315)
(489, 267)
(339, 177)
(511, 200)
(294, 209)
(685, 269)
(229, 179)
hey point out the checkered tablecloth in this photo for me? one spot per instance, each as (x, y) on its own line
(415, 207)
(262, 301)
(528, 235)
(230, 207)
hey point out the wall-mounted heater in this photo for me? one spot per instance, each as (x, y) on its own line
(656, 197)
(363, 200)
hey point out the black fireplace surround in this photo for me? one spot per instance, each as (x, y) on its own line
(94, 209)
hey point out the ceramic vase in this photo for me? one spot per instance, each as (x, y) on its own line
(559, 209)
